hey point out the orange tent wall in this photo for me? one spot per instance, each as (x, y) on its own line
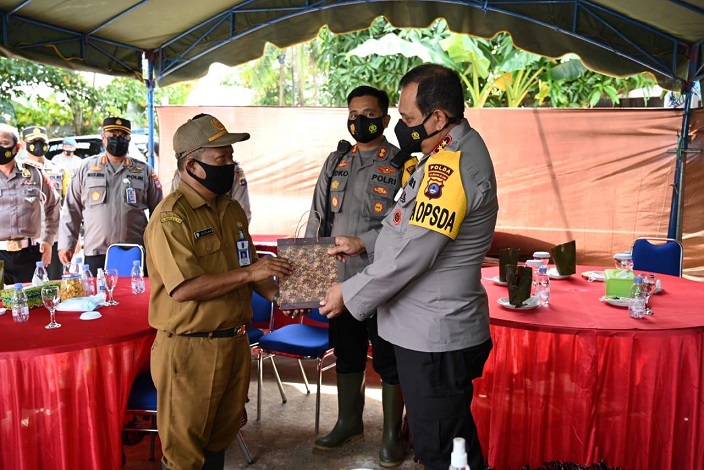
(600, 176)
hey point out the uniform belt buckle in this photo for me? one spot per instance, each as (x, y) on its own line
(14, 245)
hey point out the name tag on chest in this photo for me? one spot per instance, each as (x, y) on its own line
(202, 233)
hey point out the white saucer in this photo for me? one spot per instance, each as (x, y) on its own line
(553, 274)
(529, 304)
(496, 280)
(594, 275)
(2, 311)
(616, 301)
(90, 315)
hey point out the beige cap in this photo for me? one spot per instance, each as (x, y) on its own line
(202, 132)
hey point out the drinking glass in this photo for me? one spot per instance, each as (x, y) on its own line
(624, 261)
(110, 283)
(649, 284)
(51, 298)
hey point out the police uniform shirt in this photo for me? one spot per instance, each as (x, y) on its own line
(362, 189)
(25, 196)
(425, 281)
(186, 238)
(56, 175)
(98, 195)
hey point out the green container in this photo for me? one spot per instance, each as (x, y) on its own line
(618, 282)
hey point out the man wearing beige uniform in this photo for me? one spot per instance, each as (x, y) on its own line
(25, 192)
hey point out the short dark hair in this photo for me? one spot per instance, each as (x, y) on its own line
(439, 87)
(196, 155)
(381, 96)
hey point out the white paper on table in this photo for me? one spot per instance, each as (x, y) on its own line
(81, 304)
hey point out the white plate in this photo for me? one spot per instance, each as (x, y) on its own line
(616, 301)
(496, 280)
(594, 275)
(553, 274)
(529, 304)
(2, 311)
(90, 315)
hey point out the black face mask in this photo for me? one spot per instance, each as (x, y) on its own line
(218, 178)
(410, 138)
(38, 149)
(68, 153)
(365, 129)
(6, 155)
(118, 146)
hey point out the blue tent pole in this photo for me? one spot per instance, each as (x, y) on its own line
(150, 109)
(675, 226)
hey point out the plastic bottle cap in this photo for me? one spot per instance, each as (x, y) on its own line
(458, 458)
(18, 285)
(135, 262)
(39, 264)
(638, 280)
(541, 254)
(622, 256)
(534, 263)
(86, 266)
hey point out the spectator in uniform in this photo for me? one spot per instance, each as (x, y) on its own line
(36, 146)
(425, 280)
(239, 191)
(29, 210)
(67, 159)
(109, 194)
(201, 292)
(354, 192)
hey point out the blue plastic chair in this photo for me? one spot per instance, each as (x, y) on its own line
(142, 401)
(307, 340)
(121, 255)
(663, 257)
(262, 310)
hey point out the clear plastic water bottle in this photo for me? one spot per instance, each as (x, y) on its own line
(100, 282)
(88, 281)
(20, 307)
(637, 299)
(137, 277)
(458, 458)
(40, 276)
(542, 286)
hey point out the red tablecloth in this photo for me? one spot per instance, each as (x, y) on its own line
(63, 392)
(580, 380)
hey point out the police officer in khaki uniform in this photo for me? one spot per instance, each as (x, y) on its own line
(109, 193)
(239, 191)
(36, 146)
(355, 190)
(203, 268)
(29, 210)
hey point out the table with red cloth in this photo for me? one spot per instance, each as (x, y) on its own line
(63, 392)
(580, 381)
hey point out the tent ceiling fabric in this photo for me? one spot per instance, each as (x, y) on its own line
(618, 37)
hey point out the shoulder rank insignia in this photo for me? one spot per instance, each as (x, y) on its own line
(26, 173)
(382, 152)
(171, 218)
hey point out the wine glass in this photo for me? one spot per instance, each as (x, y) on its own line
(111, 277)
(648, 285)
(51, 298)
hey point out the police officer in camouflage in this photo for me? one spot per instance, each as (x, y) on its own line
(110, 194)
(354, 192)
(29, 210)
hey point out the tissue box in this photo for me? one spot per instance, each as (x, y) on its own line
(618, 282)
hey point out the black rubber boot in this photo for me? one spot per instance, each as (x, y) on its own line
(214, 460)
(350, 404)
(391, 453)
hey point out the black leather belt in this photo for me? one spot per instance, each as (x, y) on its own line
(229, 333)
